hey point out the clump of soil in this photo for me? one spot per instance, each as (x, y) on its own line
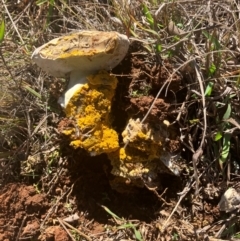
(54, 233)
(20, 211)
(144, 87)
(141, 105)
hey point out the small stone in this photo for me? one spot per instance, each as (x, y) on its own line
(230, 200)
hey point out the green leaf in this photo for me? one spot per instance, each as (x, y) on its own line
(238, 81)
(226, 147)
(176, 38)
(158, 48)
(212, 69)
(206, 34)
(218, 136)
(209, 89)
(194, 121)
(179, 25)
(2, 30)
(169, 53)
(228, 112)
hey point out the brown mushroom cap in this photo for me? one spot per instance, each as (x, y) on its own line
(85, 51)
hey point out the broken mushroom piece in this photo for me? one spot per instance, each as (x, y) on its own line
(84, 57)
(145, 155)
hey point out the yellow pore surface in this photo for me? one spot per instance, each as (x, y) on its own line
(90, 109)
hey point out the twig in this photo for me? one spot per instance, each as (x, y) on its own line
(51, 209)
(56, 177)
(41, 123)
(199, 151)
(78, 231)
(156, 193)
(20, 229)
(184, 193)
(62, 224)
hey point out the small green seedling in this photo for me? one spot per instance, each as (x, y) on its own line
(137, 234)
(153, 25)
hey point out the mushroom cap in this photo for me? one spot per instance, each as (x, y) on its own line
(85, 51)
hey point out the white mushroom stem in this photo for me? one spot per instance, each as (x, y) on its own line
(76, 81)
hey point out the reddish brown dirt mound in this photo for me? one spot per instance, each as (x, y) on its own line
(20, 210)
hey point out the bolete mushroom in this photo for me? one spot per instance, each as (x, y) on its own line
(80, 54)
(84, 57)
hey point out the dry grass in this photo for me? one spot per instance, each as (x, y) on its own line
(200, 38)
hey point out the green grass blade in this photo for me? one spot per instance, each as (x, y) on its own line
(137, 233)
(33, 92)
(148, 15)
(50, 11)
(158, 48)
(213, 40)
(2, 30)
(40, 2)
(110, 212)
(126, 225)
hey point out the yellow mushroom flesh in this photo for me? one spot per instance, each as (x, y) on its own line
(90, 109)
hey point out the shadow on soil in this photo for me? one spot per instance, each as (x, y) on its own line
(91, 176)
